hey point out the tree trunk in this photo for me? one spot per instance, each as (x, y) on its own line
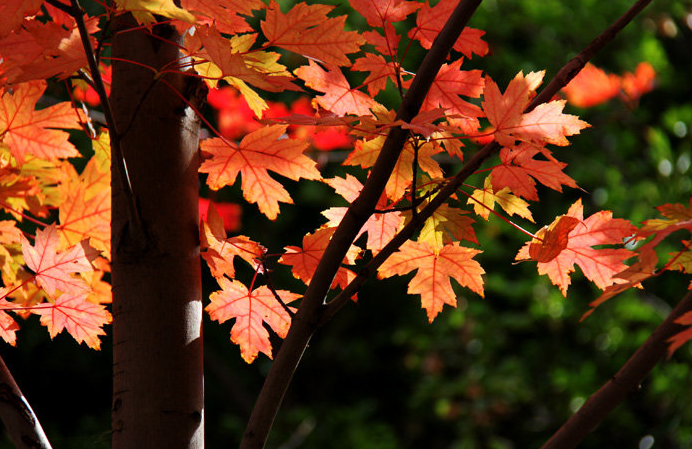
(158, 383)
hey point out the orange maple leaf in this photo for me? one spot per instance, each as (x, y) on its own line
(12, 13)
(576, 247)
(251, 309)
(431, 20)
(545, 124)
(25, 130)
(82, 319)
(451, 82)
(435, 268)
(380, 71)
(307, 30)
(380, 227)
(224, 14)
(259, 151)
(339, 97)
(219, 251)
(683, 337)
(53, 270)
(85, 210)
(519, 169)
(304, 261)
(377, 12)
(8, 326)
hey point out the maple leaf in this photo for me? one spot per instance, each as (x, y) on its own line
(562, 251)
(40, 50)
(12, 13)
(544, 124)
(431, 20)
(446, 225)
(451, 82)
(304, 261)
(85, 212)
(144, 10)
(683, 337)
(224, 14)
(434, 270)
(82, 319)
(387, 44)
(519, 169)
(339, 97)
(259, 151)
(379, 227)
(220, 251)
(251, 309)
(307, 30)
(591, 87)
(8, 326)
(26, 131)
(377, 12)
(380, 71)
(53, 269)
(484, 200)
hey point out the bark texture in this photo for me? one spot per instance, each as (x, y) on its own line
(158, 386)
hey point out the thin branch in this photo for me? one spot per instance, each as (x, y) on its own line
(77, 12)
(621, 385)
(560, 80)
(308, 317)
(20, 421)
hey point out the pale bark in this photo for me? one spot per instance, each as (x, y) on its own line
(21, 423)
(158, 399)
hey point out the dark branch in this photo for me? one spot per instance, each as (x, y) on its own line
(621, 385)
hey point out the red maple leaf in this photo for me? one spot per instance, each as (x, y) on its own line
(304, 261)
(642, 81)
(339, 97)
(258, 152)
(53, 269)
(377, 12)
(8, 326)
(307, 30)
(251, 309)
(519, 169)
(565, 243)
(26, 130)
(435, 269)
(544, 124)
(82, 319)
(224, 14)
(431, 20)
(219, 251)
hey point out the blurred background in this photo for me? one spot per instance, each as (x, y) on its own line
(496, 373)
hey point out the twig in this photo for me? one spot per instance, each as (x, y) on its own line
(77, 13)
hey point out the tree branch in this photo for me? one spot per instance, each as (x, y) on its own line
(307, 318)
(621, 385)
(77, 12)
(22, 424)
(564, 75)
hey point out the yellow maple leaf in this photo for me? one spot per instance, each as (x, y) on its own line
(484, 200)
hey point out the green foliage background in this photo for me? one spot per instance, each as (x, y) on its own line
(501, 372)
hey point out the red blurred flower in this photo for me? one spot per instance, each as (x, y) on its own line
(229, 212)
